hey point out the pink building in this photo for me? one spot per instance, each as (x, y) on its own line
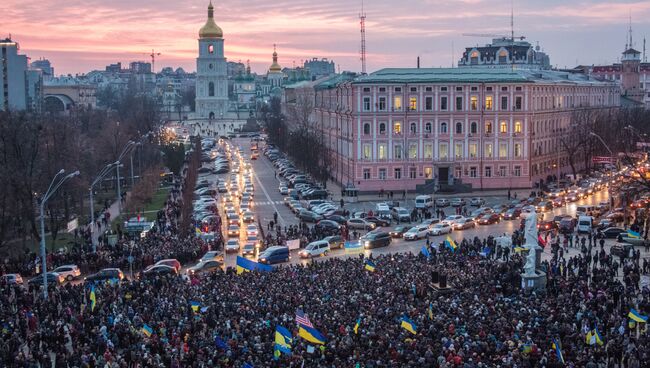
(490, 128)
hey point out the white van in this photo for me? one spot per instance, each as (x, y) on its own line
(315, 249)
(382, 210)
(423, 201)
(585, 224)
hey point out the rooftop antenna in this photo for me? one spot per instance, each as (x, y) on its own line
(630, 31)
(452, 53)
(512, 22)
(645, 59)
(362, 21)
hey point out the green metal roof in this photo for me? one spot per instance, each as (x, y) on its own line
(473, 75)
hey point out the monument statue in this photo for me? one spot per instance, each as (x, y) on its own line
(530, 238)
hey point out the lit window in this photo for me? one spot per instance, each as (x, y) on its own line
(503, 127)
(488, 102)
(413, 151)
(473, 149)
(382, 151)
(397, 103)
(366, 151)
(503, 150)
(517, 126)
(517, 150)
(474, 103)
(488, 150)
(428, 151)
(397, 127)
(444, 151)
(458, 151)
(413, 103)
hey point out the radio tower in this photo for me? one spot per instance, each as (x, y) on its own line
(362, 18)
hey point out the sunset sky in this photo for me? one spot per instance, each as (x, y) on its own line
(81, 35)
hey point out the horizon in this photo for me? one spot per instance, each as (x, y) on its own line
(86, 35)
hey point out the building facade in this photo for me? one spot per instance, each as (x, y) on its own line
(491, 128)
(319, 68)
(20, 88)
(505, 53)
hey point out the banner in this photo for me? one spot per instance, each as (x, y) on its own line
(293, 244)
(603, 160)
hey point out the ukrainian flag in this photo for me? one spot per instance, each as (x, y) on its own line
(370, 266)
(195, 306)
(430, 311)
(425, 251)
(356, 326)
(633, 234)
(283, 341)
(450, 243)
(353, 247)
(198, 230)
(408, 325)
(311, 334)
(147, 330)
(246, 265)
(558, 350)
(93, 299)
(637, 317)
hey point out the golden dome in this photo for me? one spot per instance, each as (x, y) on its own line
(275, 67)
(210, 29)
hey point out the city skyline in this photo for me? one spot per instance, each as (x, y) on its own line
(86, 35)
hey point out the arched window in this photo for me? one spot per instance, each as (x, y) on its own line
(473, 128)
(211, 89)
(427, 127)
(443, 128)
(503, 127)
(517, 126)
(211, 116)
(488, 127)
(211, 48)
(503, 56)
(366, 128)
(382, 128)
(413, 128)
(459, 128)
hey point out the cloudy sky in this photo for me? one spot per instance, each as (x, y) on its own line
(81, 35)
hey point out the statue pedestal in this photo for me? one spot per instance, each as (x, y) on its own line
(533, 282)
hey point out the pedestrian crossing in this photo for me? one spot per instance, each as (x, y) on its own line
(267, 203)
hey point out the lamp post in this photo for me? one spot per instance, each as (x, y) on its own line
(99, 177)
(54, 186)
(126, 150)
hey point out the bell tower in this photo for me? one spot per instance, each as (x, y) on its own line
(211, 71)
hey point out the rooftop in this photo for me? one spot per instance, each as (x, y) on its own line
(474, 75)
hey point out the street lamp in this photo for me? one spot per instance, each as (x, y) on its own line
(126, 150)
(54, 186)
(99, 177)
(603, 142)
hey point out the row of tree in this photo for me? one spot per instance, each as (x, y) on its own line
(33, 148)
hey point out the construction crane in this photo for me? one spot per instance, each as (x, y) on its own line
(153, 59)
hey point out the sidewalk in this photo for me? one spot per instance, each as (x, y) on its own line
(335, 190)
(114, 212)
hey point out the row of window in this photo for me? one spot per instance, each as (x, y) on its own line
(442, 89)
(473, 128)
(381, 105)
(472, 172)
(443, 151)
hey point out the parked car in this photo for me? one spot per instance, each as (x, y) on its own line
(375, 240)
(315, 249)
(53, 279)
(477, 202)
(457, 202)
(309, 216)
(158, 270)
(11, 279)
(171, 263)
(274, 254)
(69, 272)
(378, 221)
(106, 274)
(338, 219)
(359, 223)
(416, 232)
(621, 250)
(327, 225)
(440, 228)
(462, 224)
(489, 219)
(442, 202)
(451, 219)
(399, 231)
(204, 267)
(401, 214)
(335, 241)
(611, 232)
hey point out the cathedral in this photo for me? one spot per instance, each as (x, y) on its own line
(214, 112)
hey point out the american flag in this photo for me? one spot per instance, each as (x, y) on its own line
(302, 318)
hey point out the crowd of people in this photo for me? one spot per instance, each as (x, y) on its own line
(485, 321)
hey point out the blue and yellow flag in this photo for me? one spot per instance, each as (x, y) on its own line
(425, 251)
(353, 247)
(246, 265)
(593, 337)
(557, 345)
(311, 334)
(356, 326)
(195, 306)
(633, 234)
(450, 243)
(147, 330)
(198, 230)
(430, 312)
(408, 325)
(283, 342)
(93, 298)
(637, 317)
(370, 266)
